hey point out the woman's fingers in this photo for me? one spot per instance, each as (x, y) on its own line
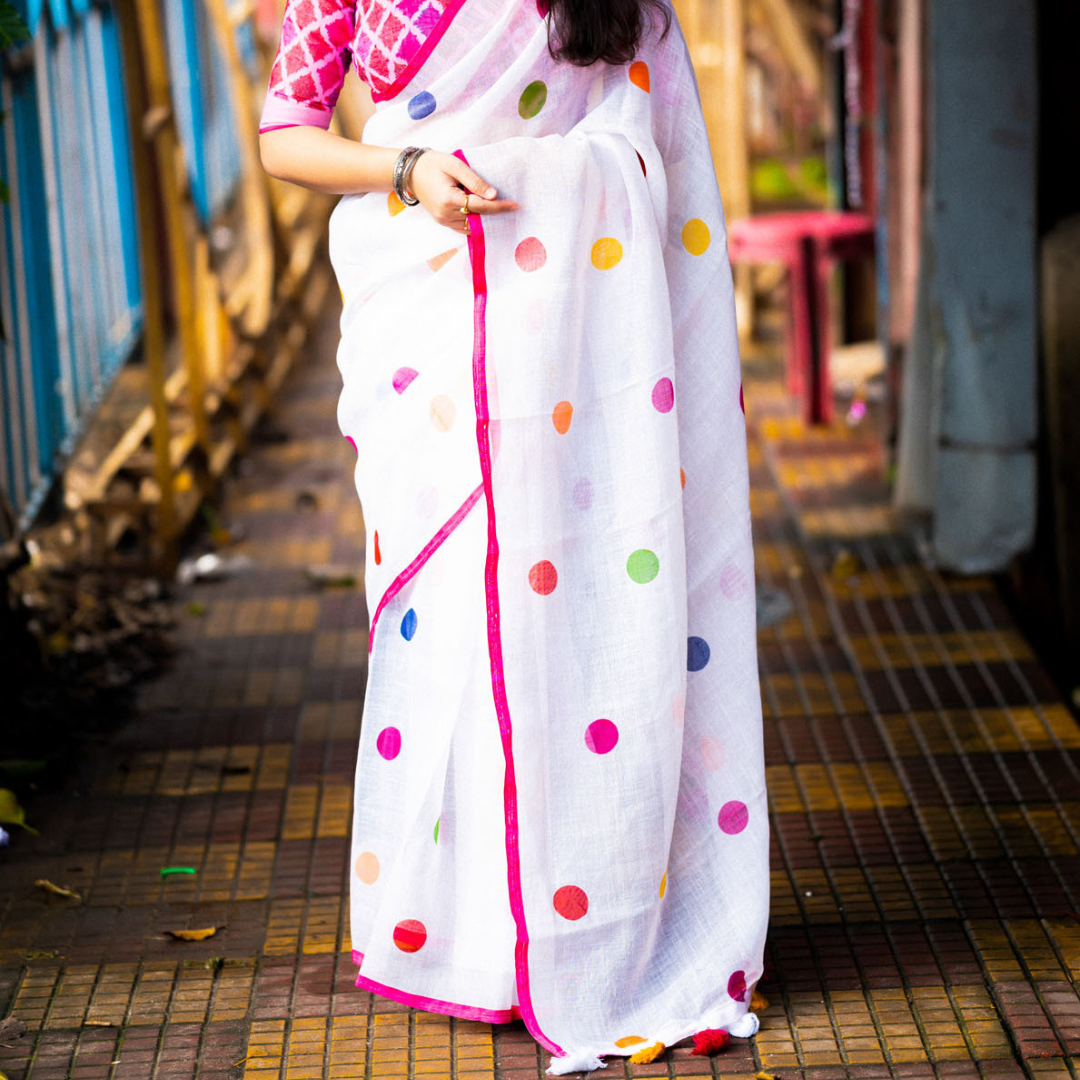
(471, 181)
(490, 206)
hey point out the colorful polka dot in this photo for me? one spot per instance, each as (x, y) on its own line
(561, 416)
(639, 75)
(543, 578)
(423, 104)
(571, 902)
(663, 886)
(532, 100)
(403, 377)
(736, 985)
(663, 395)
(389, 743)
(438, 822)
(410, 935)
(542, 8)
(606, 253)
(733, 817)
(583, 494)
(742, 403)
(394, 205)
(682, 477)
(641, 162)
(530, 254)
(697, 653)
(352, 442)
(437, 262)
(408, 625)
(695, 236)
(601, 736)
(712, 752)
(443, 412)
(678, 708)
(629, 1040)
(367, 867)
(733, 582)
(643, 566)
(378, 553)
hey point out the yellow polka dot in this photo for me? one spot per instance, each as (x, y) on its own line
(442, 413)
(629, 1040)
(394, 204)
(606, 252)
(663, 886)
(695, 236)
(367, 867)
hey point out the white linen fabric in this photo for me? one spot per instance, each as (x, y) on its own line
(560, 796)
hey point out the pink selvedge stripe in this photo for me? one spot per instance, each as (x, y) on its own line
(477, 252)
(417, 62)
(448, 1008)
(426, 552)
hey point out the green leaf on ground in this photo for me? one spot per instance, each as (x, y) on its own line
(11, 813)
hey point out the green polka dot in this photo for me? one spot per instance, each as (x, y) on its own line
(643, 566)
(438, 821)
(532, 100)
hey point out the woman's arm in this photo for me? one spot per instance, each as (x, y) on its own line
(323, 161)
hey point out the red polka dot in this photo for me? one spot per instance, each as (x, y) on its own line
(601, 736)
(389, 743)
(736, 985)
(530, 254)
(663, 395)
(410, 935)
(641, 162)
(378, 553)
(543, 578)
(733, 817)
(571, 902)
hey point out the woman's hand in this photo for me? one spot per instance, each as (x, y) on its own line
(441, 181)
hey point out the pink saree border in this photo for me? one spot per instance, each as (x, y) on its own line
(477, 254)
(418, 61)
(426, 552)
(436, 1005)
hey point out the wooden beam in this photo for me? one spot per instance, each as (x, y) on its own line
(794, 42)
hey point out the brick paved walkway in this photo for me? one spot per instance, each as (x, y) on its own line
(923, 779)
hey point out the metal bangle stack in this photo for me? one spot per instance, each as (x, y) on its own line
(403, 168)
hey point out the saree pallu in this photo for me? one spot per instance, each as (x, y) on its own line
(560, 807)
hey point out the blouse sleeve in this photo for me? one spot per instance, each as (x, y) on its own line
(311, 62)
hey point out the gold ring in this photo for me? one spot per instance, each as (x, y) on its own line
(465, 208)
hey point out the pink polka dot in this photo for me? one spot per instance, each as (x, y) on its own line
(352, 442)
(571, 902)
(530, 254)
(733, 583)
(389, 743)
(583, 494)
(742, 403)
(712, 753)
(410, 935)
(402, 377)
(678, 708)
(601, 736)
(543, 578)
(663, 395)
(733, 817)
(736, 985)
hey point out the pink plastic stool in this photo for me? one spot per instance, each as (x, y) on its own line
(809, 243)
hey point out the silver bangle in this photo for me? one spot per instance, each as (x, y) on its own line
(398, 182)
(406, 173)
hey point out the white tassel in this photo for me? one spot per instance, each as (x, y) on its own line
(746, 1027)
(571, 1063)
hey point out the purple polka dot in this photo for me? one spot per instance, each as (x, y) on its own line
(389, 743)
(663, 395)
(697, 653)
(601, 736)
(742, 402)
(736, 985)
(733, 817)
(423, 104)
(402, 377)
(583, 494)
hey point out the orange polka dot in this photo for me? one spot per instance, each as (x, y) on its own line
(639, 75)
(629, 1040)
(682, 477)
(663, 886)
(367, 867)
(378, 553)
(561, 416)
(442, 413)
(394, 204)
(439, 261)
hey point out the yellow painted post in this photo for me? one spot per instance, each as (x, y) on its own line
(151, 279)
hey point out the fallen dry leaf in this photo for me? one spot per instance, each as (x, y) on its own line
(764, 1076)
(193, 935)
(57, 890)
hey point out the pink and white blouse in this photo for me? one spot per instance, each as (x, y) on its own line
(388, 40)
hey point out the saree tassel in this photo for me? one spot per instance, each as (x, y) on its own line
(709, 1041)
(571, 1063)
(758, 1002)
(650, 1053)
(746, 1027)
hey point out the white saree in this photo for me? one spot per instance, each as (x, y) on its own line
(560, 803)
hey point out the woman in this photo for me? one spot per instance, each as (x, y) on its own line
(560, 806)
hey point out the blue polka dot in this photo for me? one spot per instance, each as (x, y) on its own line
(422, 105)
(408, 625)
(697, 653)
